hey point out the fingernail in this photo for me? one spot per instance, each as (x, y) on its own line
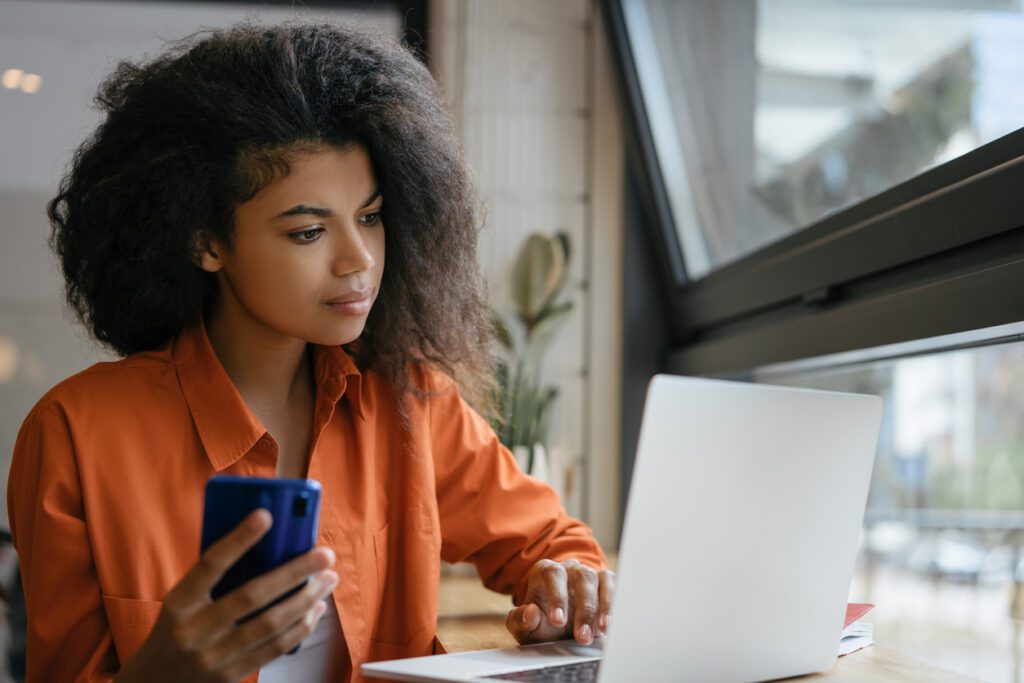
(260, 518)
(585, 633)
(603, 622)
(558, 616)
(320, 608)
(322, 559)
(328, 580)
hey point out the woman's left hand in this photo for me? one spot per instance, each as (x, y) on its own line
(563, 600)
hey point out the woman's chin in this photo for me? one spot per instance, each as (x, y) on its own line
(339, 336)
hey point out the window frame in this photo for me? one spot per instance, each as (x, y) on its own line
(937, 254)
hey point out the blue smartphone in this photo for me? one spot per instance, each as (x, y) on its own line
(295, 507)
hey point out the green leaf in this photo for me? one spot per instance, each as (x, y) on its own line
(544, 416)
(499, 421)
(525, 413)
(564, 243)
(543, 335)
(539, 276)
(553, 310)
(501, 331)
(536, 276)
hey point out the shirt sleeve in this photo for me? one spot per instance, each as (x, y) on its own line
(68, 638)
(491, 513)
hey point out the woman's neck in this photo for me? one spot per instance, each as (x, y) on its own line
(270, 370)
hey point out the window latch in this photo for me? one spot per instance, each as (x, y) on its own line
(816, 298)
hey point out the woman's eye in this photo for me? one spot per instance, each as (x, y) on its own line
(306, 236)
(370, 218)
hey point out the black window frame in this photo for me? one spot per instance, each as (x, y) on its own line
(937, 254)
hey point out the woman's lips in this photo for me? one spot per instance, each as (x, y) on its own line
(348, 305)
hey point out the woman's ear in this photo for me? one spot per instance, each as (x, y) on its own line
(207, 252)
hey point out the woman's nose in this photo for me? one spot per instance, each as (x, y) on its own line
(353, 253)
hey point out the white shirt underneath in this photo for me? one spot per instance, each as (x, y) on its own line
(314, 656)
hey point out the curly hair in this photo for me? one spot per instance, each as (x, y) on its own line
(201, 128)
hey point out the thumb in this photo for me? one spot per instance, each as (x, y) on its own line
(529, 624)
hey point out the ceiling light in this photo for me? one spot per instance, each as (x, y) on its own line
(8, 359)
(12, 78)
(31, 82)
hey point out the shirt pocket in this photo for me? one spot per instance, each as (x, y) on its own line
(408, 568)
(419, 644)
(131, 622)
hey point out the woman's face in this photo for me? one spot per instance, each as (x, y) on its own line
(307, 255)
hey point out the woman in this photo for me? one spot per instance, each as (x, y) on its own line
(225, 229)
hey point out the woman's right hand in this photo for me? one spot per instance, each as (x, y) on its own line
(198, 639)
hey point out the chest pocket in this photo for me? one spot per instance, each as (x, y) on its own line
(408, 557)
(130, 622)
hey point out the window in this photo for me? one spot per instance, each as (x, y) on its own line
(943, 534)
(829, 193)
(774, 195)
(769, 116)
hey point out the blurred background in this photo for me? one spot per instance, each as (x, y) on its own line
(822, 194)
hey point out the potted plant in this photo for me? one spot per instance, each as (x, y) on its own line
(523, 402)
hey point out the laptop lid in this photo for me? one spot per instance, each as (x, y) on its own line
(741, 531)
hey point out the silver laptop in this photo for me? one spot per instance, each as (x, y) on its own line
(738, 548)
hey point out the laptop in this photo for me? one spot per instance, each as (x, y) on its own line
(738, 548)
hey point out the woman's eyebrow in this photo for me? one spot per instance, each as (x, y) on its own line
(319, 212)
(371, 199)
(303, 210)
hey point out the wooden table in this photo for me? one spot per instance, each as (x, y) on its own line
(473, 618)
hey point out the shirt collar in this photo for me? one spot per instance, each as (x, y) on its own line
(334, 370)
(226, 426)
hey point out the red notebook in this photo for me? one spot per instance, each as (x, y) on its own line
(855, 635)
(855, 611)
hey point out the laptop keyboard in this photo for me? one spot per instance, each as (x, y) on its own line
(584, 672)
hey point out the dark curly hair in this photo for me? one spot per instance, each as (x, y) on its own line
(201, 128)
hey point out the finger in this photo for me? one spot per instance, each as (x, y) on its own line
(277, 619)
(605, 592)
(585, 585)
(528, 624)
(219, 557)
(522, 621)
(262, 590)
(548, 587)
(251, 660)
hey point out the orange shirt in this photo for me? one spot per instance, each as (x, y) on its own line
(105, 497)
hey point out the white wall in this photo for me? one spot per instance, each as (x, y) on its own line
(532, 93)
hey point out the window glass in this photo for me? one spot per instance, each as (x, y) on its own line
(941, 552)
(768, 116)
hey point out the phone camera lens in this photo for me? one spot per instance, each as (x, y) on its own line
(299, 505)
